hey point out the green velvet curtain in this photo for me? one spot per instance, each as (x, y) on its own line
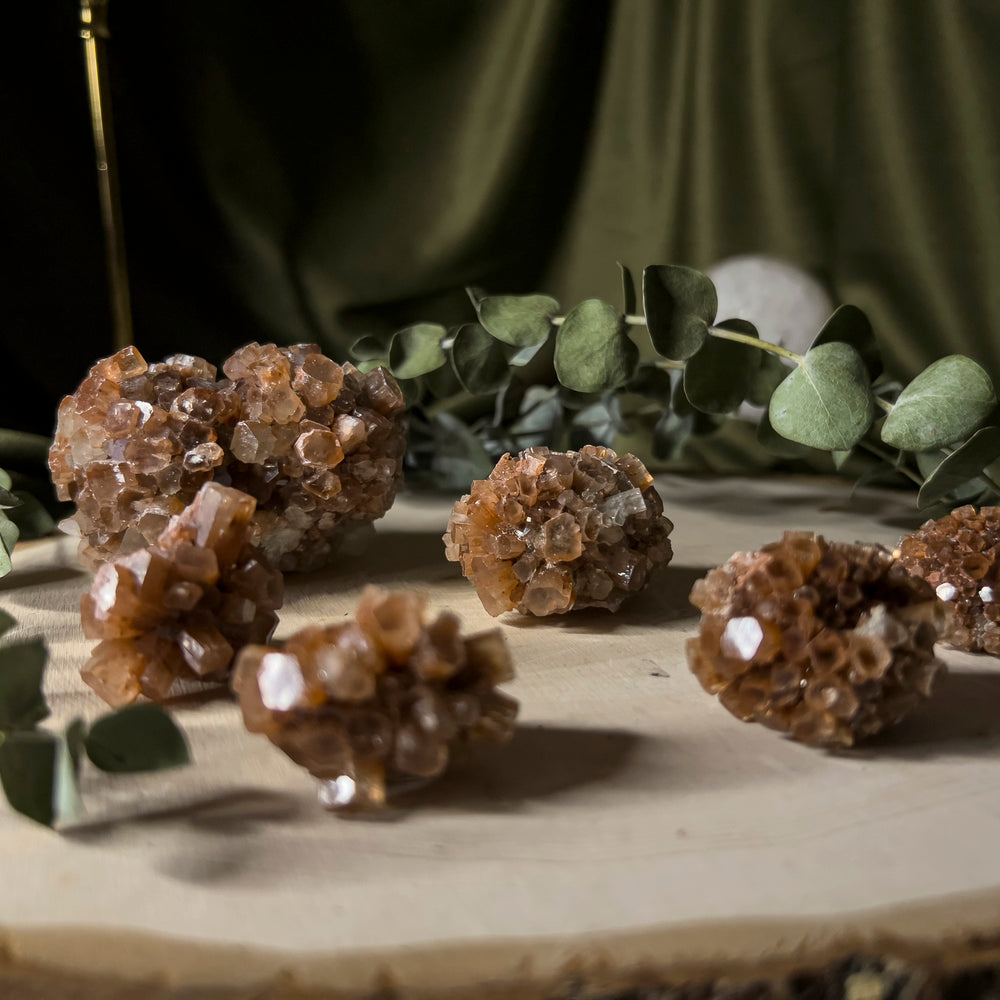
(321, 170)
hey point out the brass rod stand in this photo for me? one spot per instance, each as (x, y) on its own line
(94, 32)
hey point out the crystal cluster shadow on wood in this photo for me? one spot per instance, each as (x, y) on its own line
(548, 532)
(828, 642)
(181, 608)
(383, 695)
(318, 445)
(958, 555)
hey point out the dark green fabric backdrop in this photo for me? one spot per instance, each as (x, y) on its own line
(320, 170)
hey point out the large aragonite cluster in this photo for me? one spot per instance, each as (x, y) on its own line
(548, 532)
(828, 642)
(318, 445)
(959, 556)
(181, 608)
(384, 695)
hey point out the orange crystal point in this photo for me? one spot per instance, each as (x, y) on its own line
(830, 643)
(385, 694)
(182, 607)
(959, 556)
(551, 531)
(319, 446)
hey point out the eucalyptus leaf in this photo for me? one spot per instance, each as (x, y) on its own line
(136, 738)
(370, 365)
(653, 382)
(459, 456)
(9, 534)
(776, 444)
(368, 349)
(718, 378)
(670, 433)
(28, 773)
(442, 383)
(8, 499)
(942, 405)
(593, 349)
(598, 423)
(518, 320)
(523, 355)
(66, 801)
(963, 464)
(680, 305)
(416, 350)
(826, 402)
(629, 299)
(479, 359)
(507, 404)
(31, 518)
(770, 372)
(22, 669)
(849, 325)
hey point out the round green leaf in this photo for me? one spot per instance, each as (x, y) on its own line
(961, 466)
(9, 534)
(628, 290)
(849, 325)
(593, 349)
(680, 304)
(479, 359)
(943, 404)
(31, 518)
(416, 350)
(27, 772)
(22, 667)
(137, 738)
(367, 349)
(652, 382)
(771, 371)
(779, 446)
(826, 401)
(718, 377)
(518, 320)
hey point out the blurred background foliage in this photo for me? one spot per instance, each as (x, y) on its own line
(325, 171)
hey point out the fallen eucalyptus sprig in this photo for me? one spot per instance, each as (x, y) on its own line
(39, 769)
(524, 374)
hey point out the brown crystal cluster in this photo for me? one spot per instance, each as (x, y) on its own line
(180, 608)
(318, 445)
(551, 531)
(383, 694)
(958, 556)
(828, 642)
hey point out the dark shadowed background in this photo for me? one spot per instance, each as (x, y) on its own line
(315, 171)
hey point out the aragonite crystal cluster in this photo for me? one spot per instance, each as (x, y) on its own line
(180, 608)
(551, 531)
(383, 695)
(958, 556)
(827, 642)
(318, 445)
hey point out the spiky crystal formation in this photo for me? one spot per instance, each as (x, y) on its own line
(959, 556)
(182, 607)
(551, 531)
(318, 445)
(827, 642)
(383, 694)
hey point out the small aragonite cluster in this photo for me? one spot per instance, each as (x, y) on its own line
(828, 642)
(181, 608)
(318, 445)
(959, 556)
(548, 531)
(383, 695)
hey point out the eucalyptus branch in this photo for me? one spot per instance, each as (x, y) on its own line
(829, 399)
